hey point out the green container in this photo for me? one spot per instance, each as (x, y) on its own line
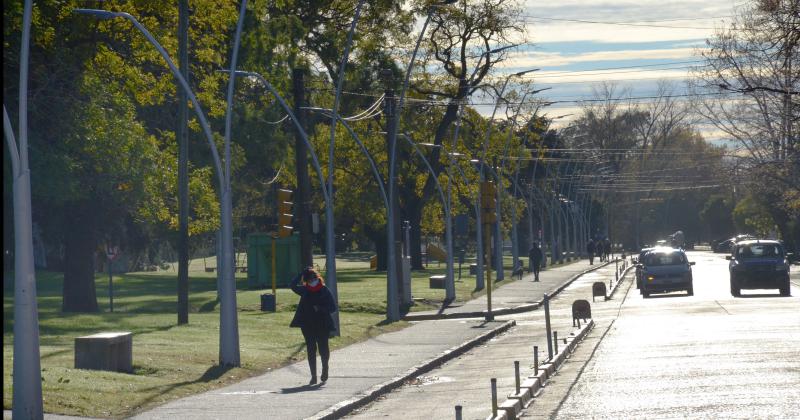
(259, 260)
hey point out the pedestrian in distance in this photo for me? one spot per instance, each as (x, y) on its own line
(313, 317)
(535, 258)
(590, 248)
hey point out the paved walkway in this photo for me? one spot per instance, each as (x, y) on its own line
(361, 372)
(514, 296)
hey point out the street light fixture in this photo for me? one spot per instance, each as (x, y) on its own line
(27, 384)
(450, 288)
(486, 147)
(229, 328)
(326, 194)
(392, 304)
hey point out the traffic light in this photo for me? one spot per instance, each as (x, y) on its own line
(285, 213)
(488, 202)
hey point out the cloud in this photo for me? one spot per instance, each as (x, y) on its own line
(551, 59)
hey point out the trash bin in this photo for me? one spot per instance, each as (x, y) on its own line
(268, 302)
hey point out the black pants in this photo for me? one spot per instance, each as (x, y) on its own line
(536, 267)
(316, 338)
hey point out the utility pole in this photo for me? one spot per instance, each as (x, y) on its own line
(392, 268)
(182, 135)
(301, 162)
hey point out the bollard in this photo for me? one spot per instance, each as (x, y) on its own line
(516, 375)
(609, 286)
(494, 397)
(536, 360)
(555, 341)
(458, 412)
(616, 271)
(546, 301)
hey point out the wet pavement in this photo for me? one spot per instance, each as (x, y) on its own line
(466, 380)
(706, 356)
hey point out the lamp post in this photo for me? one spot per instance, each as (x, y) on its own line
(486, 147)
(27, 384)
(450, 286)
(392, 304)
(330, 243)
(479, 283)
(229, 329)
(315, 162)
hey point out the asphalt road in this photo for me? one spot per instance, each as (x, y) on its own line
(466, 380)
(706, 356)
(671, 356)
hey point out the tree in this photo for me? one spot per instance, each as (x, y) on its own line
(455, 64)
(752, 91)
(101, 161)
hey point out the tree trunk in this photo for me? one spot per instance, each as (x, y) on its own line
(80, 244)
(379, 239)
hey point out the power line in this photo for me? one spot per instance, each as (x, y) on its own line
(645, 25)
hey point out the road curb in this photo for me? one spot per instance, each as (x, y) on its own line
(345, 407)
(511, 407)
(503, 311)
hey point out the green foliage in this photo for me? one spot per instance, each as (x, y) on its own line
(751, 215)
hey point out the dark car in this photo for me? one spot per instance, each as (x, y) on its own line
(758, 264)
(666, 270)
(727, 245)
(639, 266)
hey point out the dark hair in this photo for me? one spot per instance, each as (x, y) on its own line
(310, 273)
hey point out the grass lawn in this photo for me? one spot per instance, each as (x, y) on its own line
(172, 361)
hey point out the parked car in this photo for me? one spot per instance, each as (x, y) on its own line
(727, 245)
(666, 270)
(758, 264)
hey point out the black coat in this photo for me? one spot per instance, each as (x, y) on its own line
(315, 308)
(535, 254)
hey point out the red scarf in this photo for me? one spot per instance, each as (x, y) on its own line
(314, 288)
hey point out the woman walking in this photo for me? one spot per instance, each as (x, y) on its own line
(313, 317)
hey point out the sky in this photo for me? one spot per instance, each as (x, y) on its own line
(648, 40)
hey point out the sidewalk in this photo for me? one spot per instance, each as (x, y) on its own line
(363, 371)
(514, 296)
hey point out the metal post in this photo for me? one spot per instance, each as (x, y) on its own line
(488, 251)
(536, 360)
(182, 136)
(498, 231)
(303, 211)
(459, 409)
(110, 288)
(555, 342)
(392, 305)
(516, 375)
(546, 302)
(494, 397)
(27, 384)
(274, 270)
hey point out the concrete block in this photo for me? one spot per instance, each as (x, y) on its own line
(524, 395)
(533, 383)
(511, 407)
(436, 282)
(501, 415)
(112, 351)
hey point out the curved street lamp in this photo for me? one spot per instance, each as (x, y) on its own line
(392, 304)
(450, 286)
(229, 328)
(27, 384)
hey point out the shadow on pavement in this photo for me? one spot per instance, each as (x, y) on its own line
(303, 388)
